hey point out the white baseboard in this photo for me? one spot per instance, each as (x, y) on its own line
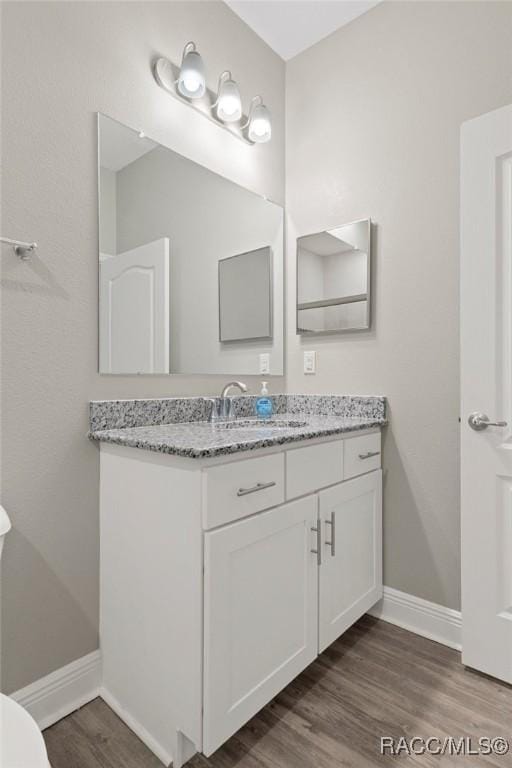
(58, 694)
(136, 727)
(420, 616)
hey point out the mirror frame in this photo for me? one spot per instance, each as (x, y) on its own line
(329, 302)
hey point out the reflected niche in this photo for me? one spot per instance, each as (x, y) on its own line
(333, 280)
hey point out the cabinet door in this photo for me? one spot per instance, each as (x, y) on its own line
(351, 570)
(261, 613)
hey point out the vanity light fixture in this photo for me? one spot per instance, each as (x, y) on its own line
(188, 84)
(259, 126)
(228, 104)
(192, 82)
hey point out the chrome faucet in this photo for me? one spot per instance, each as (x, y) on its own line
(222, 409)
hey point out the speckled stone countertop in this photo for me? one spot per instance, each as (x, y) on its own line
(309, 416)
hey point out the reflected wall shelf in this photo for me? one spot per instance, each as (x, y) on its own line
(333, 302)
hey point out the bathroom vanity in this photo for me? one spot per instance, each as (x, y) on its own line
(232, 554)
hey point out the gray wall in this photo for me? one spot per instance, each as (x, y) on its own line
(77, 58)
(373, 117)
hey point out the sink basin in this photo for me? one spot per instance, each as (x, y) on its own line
(260, 424)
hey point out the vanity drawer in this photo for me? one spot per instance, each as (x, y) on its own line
(236, 490)
(313, 467)
(362, 454)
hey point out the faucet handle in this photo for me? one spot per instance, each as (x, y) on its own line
(214, 412)
(230, 409)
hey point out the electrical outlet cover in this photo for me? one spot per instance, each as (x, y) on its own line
(265, 363)
(310, 362)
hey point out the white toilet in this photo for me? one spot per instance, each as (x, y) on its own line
(21, 742)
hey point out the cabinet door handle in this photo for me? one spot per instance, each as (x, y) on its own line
(369, 455)
(257, 487)
(318, 550)
(332, 542)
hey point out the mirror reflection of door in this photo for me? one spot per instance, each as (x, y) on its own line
(134, 310)
(333, 279)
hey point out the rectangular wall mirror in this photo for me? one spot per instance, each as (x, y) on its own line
(333, 280)
(190, 264)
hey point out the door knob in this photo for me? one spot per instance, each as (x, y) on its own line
(479, 421)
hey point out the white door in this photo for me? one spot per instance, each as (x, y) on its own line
(134, 310)
(486, 384)
(260, 620)
(351, 570)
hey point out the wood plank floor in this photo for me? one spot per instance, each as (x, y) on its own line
(377, 680)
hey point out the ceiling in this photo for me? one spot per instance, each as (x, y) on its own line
(291, 26)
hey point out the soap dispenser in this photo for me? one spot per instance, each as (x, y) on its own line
(264, 403)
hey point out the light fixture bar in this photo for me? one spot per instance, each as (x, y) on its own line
(167, 75)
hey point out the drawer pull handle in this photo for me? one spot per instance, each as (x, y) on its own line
(318, 550)
(257, 487)
(369, 455)
(332, 542)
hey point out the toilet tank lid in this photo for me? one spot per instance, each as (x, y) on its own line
(5, 523)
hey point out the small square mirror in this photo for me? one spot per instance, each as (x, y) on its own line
(333, 280)
(245, 296)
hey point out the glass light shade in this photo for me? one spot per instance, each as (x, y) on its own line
(260, 126)
(191, 82)
(229, 103)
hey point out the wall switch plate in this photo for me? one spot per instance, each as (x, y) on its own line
(310, 362)
(265, 363)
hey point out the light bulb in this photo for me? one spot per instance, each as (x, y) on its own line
(260, 126)
(229, 104)
(191, 82)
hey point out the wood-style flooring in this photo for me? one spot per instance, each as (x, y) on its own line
(376, 680)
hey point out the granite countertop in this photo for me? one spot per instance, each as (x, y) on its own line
(200, 439)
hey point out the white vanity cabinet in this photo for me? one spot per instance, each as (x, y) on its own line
(260, 613)
(223, 578)
(351, 570)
